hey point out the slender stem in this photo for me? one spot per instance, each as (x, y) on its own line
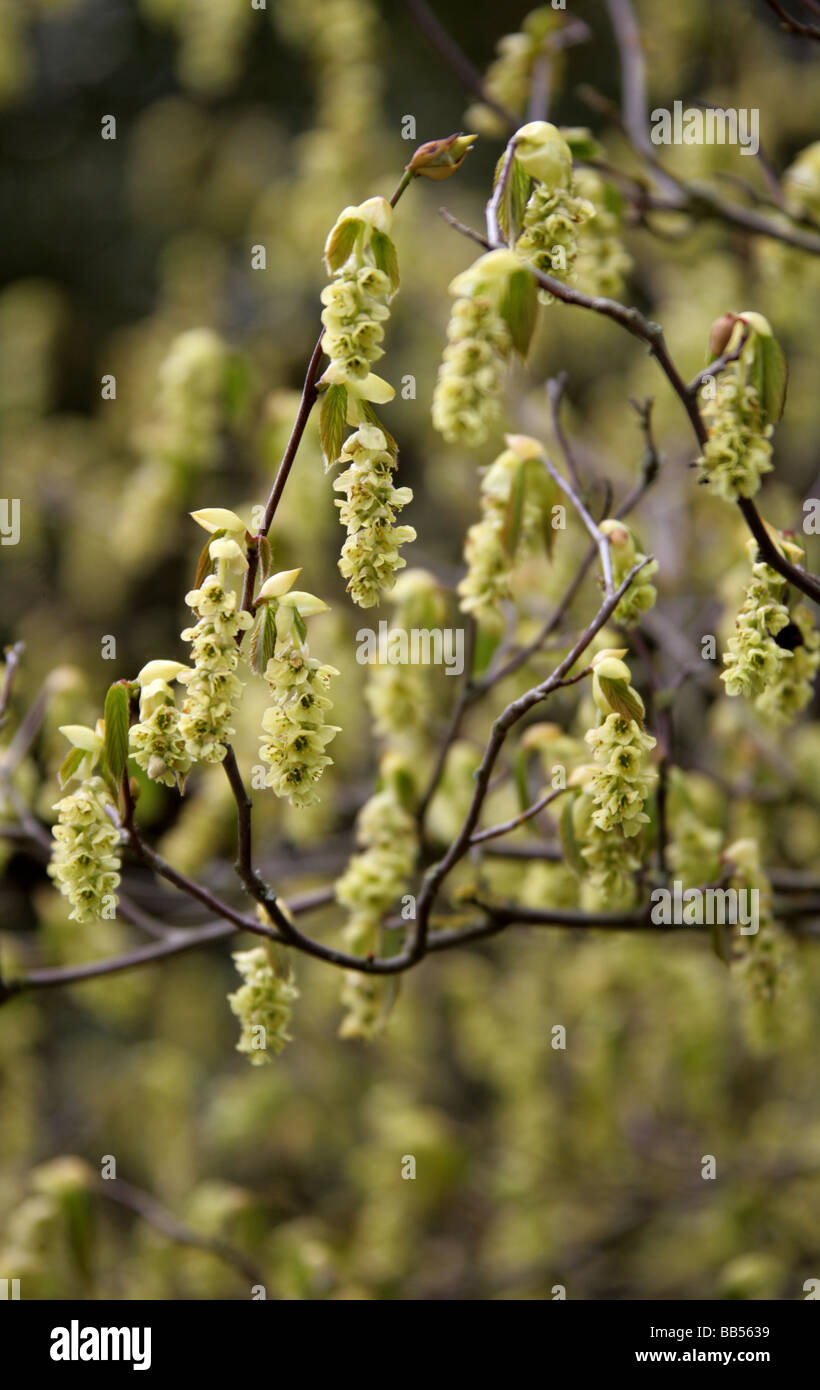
(499, 193)
(503, 828)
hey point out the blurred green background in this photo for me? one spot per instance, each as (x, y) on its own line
(535, 1167)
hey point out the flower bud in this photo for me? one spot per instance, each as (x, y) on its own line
(438, 159)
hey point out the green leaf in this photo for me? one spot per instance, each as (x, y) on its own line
(300, 625)
(516, 196)
(332, 423)
(262, 639)
(384, 254)
(341, 241)
(514, 512)
(768, 373)
(569, 843)
(116, 716)
(619, 694)
(519, 309)
(70, 764)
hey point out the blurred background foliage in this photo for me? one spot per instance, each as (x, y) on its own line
(535, 1167)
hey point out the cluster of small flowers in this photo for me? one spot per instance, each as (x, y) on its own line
(296, 734)
(213, 688)
(156, 742)
(774, 653)
(466, 405)
(357, 301)
(611, 863)
(371, 883)
(783, 698)
(370, 555)
(549, 237)
(738, 451)
(603, 262)
(262, 1004)
(85, 862)
(624, 552)
(622, 781)
(489, 551)
(554, 213)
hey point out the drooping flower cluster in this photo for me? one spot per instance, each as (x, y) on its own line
(85, 862)
(361, 256)
(465, 401)
(296, 734)
(602, 262)
(504, 532)
(370, 555)
(624, 553)
(263, 1003)
(610, 861)
(741, 413)
(213, 688)
(554, 213)
(156, 742)
(622, 780)
(372, 882)
(774, 653)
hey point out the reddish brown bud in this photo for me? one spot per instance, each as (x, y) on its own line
(438, 159)
(720, 333)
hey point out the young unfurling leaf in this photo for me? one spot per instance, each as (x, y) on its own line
(332, 423)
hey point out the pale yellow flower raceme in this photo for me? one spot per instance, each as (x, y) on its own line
(213, 688)
(370, 555)
(554, 213)
(262, 1003)
(296, 732)
(466, 403)
(85, 863)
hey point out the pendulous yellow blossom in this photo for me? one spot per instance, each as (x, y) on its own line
(85, 861)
